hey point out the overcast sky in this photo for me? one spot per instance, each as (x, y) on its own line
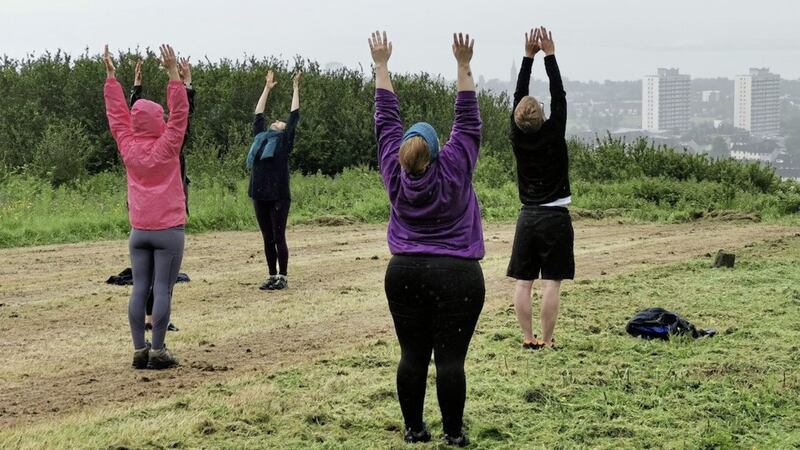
(595, 40)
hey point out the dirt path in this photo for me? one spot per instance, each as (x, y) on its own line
(64, 336)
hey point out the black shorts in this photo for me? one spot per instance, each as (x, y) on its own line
(543, 245)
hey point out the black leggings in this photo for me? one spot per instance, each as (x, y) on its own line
(435, 302)
(272, 218)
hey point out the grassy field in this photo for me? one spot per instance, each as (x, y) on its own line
(602, 389)
(34, 213)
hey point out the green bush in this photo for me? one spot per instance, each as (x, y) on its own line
(62, 153)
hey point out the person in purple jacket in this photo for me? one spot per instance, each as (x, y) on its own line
(434, 283)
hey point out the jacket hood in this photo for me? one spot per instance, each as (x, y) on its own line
(421, 190)
(147, 119)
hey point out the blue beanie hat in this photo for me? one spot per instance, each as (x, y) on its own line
(426, 132)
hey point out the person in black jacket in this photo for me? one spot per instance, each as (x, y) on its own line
(185, 71)
(268, 161)
(543, 242)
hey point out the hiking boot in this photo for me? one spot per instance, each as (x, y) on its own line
(459, 441)
(417, 436)
(280, 283)
(161, 359)
(267, 285)
(148, 326)
(140, 357)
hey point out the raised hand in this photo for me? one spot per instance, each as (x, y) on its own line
(271, 83)
(169, 61)
(185, 71)
(111, 71)
(462, 48)
(546, 41)
(380, 47)
(532, 43)
(137, 78)
(296, 79)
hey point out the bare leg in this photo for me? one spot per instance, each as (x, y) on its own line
(522, 305)
(551, 299)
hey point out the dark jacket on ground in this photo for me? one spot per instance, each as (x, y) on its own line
(542, 158)
(269, 179)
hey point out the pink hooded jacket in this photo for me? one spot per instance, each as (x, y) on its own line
(150, 150)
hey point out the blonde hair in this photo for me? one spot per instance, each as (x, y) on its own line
(528, 115)
(414, 155)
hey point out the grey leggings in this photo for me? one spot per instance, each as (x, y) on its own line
(155, 259)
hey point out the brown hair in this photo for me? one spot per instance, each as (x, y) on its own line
(414, 155)
(528, 115)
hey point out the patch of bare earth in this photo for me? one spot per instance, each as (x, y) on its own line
(64, 335)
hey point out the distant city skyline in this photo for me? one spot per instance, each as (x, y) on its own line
(611, 40)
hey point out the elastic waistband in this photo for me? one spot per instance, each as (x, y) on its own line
(436, 260)
(535, 208)
(175, 228)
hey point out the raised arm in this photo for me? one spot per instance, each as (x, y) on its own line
(258, 121)
(294, 114)
(185, 72)
(524, 77)
(462, 50)
(136, 92)
(171, 141)
(461, 151)
(296, 91)
(388, 124)
(558, 98)
(381, 50)
(119, 117)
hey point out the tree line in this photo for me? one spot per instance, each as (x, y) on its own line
(54, 126)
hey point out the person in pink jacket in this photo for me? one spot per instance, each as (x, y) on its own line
(150, 150)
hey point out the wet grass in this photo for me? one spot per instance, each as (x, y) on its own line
(602, 389)
(34, 213)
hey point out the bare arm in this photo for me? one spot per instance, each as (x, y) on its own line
(462, 50)
(296, 92)
(381, 50)
(262, 101)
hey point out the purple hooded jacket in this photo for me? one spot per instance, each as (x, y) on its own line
(438, 212)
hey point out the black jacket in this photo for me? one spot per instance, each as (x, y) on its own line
(269, 179)
(542, 157)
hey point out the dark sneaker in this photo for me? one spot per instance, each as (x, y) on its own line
(267, 285)
(280, 283)
(170, 327)
(458, 441)
(161, 359)
(417, 436)
(140, 357)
